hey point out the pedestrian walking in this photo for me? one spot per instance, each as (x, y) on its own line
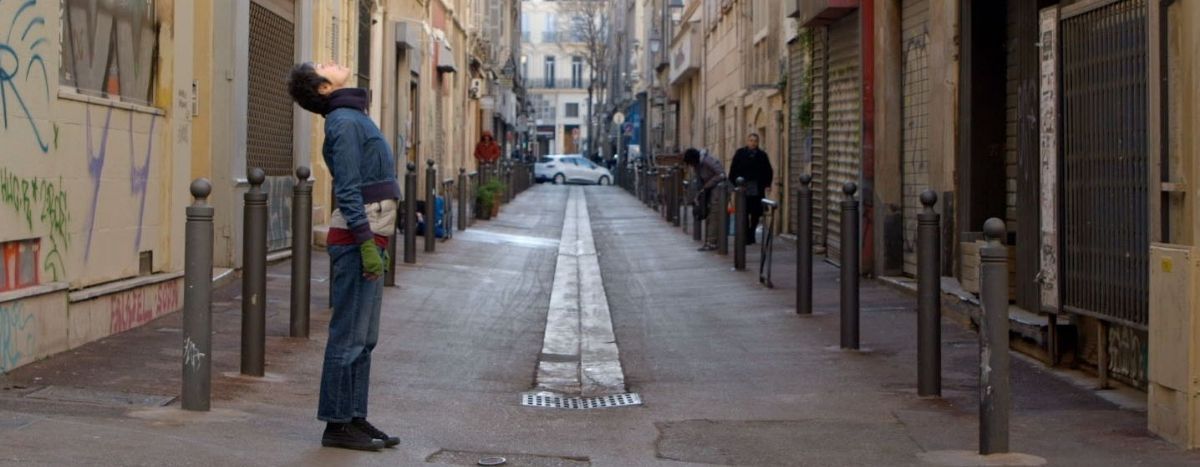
(486, 150)
(365, 188)
(708, 172)
(752, 164)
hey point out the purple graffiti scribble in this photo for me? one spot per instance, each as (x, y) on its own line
(138, 177)
(95, 167)
(10, 67)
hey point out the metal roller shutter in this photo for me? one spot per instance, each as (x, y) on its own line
(915, 111)
(844, 127)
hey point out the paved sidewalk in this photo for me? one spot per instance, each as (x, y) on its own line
(728, 373)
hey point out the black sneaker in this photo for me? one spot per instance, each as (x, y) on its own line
(366, 427)
(348, 436)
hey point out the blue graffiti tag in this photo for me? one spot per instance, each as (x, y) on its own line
(16, 337)
(139, 176)
(95, 167)
(10, 67)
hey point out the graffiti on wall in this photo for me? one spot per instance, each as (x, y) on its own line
(139, 176)
(45, 201)
(279, 210)
(17, 336)
(21, 47)
(139, 306)
(1127, 350)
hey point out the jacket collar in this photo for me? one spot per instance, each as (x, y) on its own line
(352, 98)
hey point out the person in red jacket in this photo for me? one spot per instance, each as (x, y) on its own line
(487, 151)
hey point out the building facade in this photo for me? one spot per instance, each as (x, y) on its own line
(111, 110)
(556, 74)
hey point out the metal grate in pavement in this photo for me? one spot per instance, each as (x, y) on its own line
(580, 403)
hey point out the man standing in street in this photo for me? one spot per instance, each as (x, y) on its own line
(708, 173)
(752, 164)
(365, 188)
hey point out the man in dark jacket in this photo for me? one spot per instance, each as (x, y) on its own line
(708, 173)
(364, 185)
(752, 164)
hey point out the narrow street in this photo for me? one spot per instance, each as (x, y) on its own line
(726, 371)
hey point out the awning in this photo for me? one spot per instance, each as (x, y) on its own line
(408, 36)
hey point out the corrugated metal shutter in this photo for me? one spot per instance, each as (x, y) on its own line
(1012, 84)
(915, 111)
(844, 127)
(796, 129)
(820, 71)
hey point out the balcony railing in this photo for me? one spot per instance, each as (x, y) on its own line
(558, 84)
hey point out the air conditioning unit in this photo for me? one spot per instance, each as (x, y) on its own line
(476, 90)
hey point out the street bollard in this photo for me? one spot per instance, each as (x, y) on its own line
(850, 296)
(995, 394)
(722, 218)
(410, 214)
(430, 204)
(739, 224)
(929, 297)
(301, 252)
(664, 205)
(197, 300)
(508, 172)
(677, 197)
(804, 256)
(462, 199)
(254, 276)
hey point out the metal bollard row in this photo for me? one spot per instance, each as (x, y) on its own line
(430, 205)
(254, 276)
(850, 279)
(739, 224)
(804, 256)
(410, 214)
(197, 300)
(462, 199)
(301, 252)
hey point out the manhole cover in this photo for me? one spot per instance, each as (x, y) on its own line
(454, 457)
(561, 402)
(92, 396)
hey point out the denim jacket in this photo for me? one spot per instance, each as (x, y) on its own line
(360, 160)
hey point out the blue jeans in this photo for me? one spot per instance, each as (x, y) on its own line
(353, 332)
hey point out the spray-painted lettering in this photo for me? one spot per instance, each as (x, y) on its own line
(18, 343)
(45, 201)
(20, 49)
(136, 307)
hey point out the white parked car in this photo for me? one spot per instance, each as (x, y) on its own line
(570, 168)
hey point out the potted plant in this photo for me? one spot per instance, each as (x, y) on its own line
(485, 201)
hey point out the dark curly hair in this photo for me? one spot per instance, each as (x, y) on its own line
(303, 84)
(691, 156)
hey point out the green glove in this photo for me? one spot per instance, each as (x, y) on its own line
(372, 260)
(387, 259)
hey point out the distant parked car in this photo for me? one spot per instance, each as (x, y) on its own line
(570, 168)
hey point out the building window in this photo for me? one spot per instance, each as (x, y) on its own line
(20, 267)
(577, 72)
(118, 65)
(364, 44)
(524, 28)
(548, 73)
(550, 29)
(573, 110)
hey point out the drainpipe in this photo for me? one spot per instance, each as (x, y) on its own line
(867, 44)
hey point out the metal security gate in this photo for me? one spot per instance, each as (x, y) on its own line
(1106, 222)
(269, 136)
(843, 134)
(915, 111)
